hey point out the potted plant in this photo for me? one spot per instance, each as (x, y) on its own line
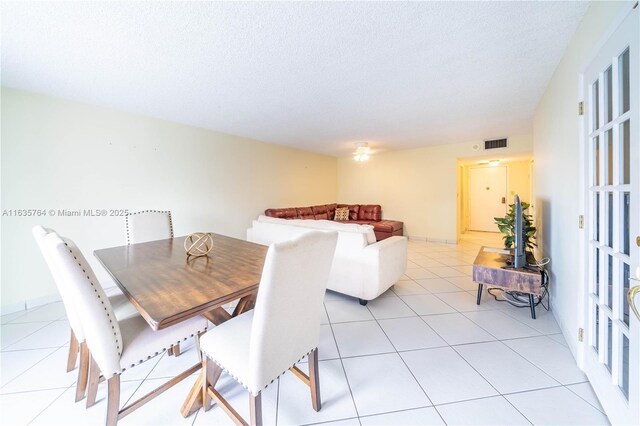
(506, 226)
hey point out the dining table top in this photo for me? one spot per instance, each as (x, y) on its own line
(166, 286)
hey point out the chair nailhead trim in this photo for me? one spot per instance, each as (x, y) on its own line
(157, 353)
(264, 387)
(95, 290)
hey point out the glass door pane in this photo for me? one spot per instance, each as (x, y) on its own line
(596, 161)
(625, 152)
(623, 70)
(595, 106)
(608, 95)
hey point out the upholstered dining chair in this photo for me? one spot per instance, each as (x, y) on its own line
(255, 348)
(77, 345)
(148, 225)
(114, 345)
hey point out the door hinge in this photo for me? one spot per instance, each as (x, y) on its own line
(580, 334)
(580, 108)
(581, 222)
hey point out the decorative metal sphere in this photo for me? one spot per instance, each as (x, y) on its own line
(198, 244)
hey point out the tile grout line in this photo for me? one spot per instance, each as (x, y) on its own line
(579, 396)
(24, 337)
(344, 371)
(143, 380)
(50, 404)
(406, 366)
(484, 378)
(331, 421)
(516, 408)
(277, 399)
(497, 338)
(34, 364)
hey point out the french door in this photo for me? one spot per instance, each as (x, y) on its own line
(612, 344)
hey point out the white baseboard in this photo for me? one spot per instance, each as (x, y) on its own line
(12, 309)
(44, 300)
(29, 304)
(441, 240)
(109, 287)
(430, 240)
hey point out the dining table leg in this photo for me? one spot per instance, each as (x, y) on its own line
(194, 401)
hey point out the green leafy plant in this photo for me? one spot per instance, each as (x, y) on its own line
(506, 226)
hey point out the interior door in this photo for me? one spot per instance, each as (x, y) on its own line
(611, 352)
(487, 197)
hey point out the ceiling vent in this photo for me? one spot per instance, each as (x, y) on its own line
(495, 143)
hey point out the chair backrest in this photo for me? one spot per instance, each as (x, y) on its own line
(39, 233)
(286, 319)
(148, 225)
(101, 328)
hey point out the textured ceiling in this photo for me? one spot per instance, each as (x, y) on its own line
(319, 76)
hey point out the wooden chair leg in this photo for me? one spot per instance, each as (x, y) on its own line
(198, 350)
(255, 406)
(113, 400)
(212, 373)
(83, 371)
(94, 381)
(314, 379)
(74, 347)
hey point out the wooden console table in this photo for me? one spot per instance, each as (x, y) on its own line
(489, 268)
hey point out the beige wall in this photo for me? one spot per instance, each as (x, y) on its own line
(59, 154)
(417, 186)
(557, 168)
(518, 180)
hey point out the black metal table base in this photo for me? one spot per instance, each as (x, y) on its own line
(532, 300)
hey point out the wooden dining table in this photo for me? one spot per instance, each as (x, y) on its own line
(167, 287)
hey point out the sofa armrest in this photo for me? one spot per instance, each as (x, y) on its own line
(385, 261)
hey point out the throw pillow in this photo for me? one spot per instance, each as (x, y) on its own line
(342, 213)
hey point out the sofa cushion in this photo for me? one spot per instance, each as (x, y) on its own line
(304, 213)
(331, 210)
(353, 210)
(387, 225)
(286, 213)
(342, 214)
(370, 212)
(390, 226)
(323, 212)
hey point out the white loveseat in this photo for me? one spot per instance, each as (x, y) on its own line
(361, 267)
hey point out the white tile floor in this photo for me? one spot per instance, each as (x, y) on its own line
(422, 353)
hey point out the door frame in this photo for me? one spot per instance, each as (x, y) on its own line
(583, 170)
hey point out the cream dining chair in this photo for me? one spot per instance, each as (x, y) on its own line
(77, 345)
(148, 225)
(114, 345)
(255, 348)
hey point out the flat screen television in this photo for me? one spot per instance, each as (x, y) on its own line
(519, 257)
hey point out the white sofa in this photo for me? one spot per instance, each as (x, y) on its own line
(361, 267)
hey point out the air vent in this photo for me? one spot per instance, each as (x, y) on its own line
(495, 143)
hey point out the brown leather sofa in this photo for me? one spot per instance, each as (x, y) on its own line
(364, 214)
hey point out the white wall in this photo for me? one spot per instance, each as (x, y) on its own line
(417, 186)
(59, 154)
(557, 168)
